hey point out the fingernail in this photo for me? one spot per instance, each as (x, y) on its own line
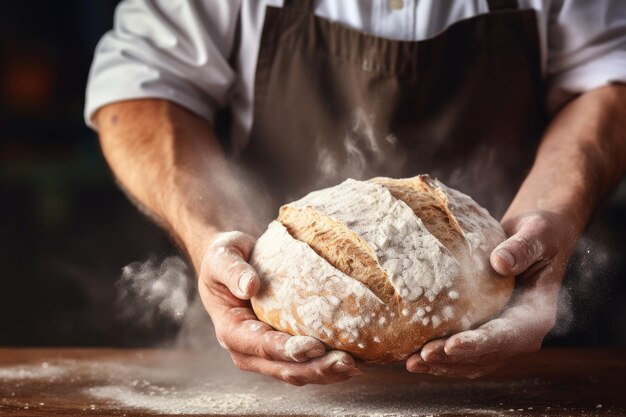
(244, 281)
(507, 257)
(420, 368)
(342, 366)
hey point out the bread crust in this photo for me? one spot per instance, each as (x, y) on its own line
(324, 274)
(337, 244)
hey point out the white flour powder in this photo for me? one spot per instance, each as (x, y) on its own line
(208, 383)
(27, 372)
(191, 401)
(479, 229)
(280, 254)
(308, 295)
(297, 344)
(411, 256)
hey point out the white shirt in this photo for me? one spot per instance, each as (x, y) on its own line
(180, 50)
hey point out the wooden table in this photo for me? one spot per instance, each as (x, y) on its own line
(106, 382)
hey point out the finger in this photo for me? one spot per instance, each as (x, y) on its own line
(433, 351)
(532, 243)
(240, 241)
(520, 329)
(238, 330)
(470, 371)
(496, 335)
(417, 365)
(436, 355)
(432, 354)
(226, 264)
(335, 366)
(474, 369)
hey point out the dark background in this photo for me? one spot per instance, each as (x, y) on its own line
(67, 230)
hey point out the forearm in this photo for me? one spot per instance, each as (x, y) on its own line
(581, 157)
(170, 162)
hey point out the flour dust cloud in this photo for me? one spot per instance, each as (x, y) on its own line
(166, 290)
(366, 153)
(154, 290)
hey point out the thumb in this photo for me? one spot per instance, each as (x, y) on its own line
(226, 264)
(526, 247)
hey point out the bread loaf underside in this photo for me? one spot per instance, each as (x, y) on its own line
(364, 299)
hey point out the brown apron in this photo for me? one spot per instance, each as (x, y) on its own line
(331, 102)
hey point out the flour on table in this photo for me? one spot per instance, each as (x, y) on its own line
(208, 383)
(191, 401)
(43, 371)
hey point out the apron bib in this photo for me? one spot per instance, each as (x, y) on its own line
(331, 102)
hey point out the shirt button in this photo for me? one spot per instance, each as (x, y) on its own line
(396, 4)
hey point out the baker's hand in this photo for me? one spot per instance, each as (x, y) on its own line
(226, 283)
(537, 251)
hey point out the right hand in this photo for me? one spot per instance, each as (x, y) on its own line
(226, 284)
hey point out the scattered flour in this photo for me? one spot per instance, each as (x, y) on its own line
(255, 327)
(296, 344)
(473, 337)
(43, 371)
(339, 310)
(208, 384)
(479, 228)
(277, 254)
(189, 402)
(410, 255)
(274, 398)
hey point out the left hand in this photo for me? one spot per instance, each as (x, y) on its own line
(537, 252)
(226, 282)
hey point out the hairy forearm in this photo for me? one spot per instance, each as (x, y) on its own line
(581, 157)
(171, 164)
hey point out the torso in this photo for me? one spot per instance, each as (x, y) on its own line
(332, 102)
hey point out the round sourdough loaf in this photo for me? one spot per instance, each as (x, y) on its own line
(377, 268)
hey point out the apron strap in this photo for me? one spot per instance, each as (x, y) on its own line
(300, 4)
(497, 5)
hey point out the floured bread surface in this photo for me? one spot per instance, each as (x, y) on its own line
(339, 245)
(377, 268)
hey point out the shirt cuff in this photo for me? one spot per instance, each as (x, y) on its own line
(107, 89)
(606, 70)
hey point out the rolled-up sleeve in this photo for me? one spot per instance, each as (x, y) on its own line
(171, 49)
(586, 45)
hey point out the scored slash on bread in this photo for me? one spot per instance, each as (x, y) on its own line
(430, 205)
(340, 246)
(377, 268)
